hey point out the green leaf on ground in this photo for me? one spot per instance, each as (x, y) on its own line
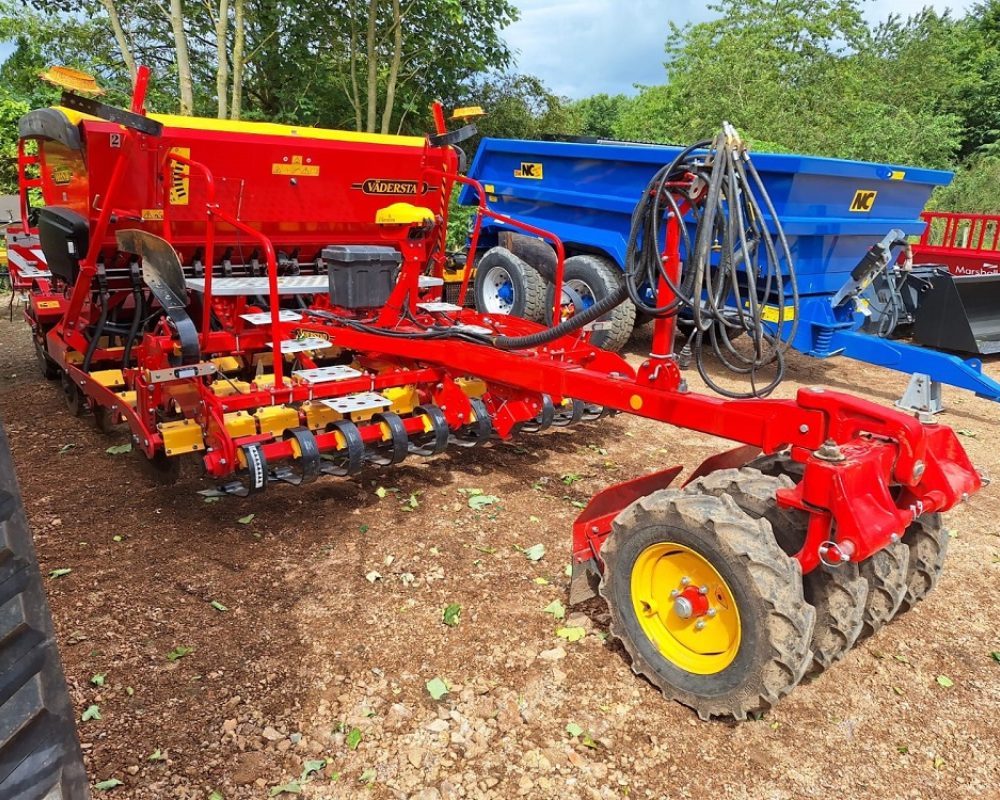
(373, 576)
(571, 634)
(451, 614)
(995, 656)
(381, 492)
(556, 609)
(98, 678)
(966, 432)
(535, 553)
(157, 755)
(939, 762)
(58, 573)
(310, 766)
(216, 796)
(573, 729)
(480, 501)
(945, 681)
(354, 738)
(570, 478)
(292, 787)
(92, 712)
(363, 529)
(118, 449)
(108, 785)
(179, 652)
(66, 448)
(437, 688)
(368, 776)
(902, 749)
(542, 581)
(247, 519)
(218, 606)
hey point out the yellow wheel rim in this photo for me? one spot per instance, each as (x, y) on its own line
(685, 608)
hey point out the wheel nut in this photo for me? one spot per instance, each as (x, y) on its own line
(699, 625)
(711, 612)
(685, 581)
(703, 590)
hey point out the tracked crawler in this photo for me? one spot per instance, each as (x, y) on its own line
(268, 301)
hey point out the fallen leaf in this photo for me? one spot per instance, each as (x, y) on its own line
(354, 738)
(92, 712)
(66, 448)
(179, 652)
(534, 519)
(367, 776)
(216, 796)
(373, 576)
(157, 755)
(58, 573)
(480, 501)
(535, 552)
(436, 688)
(108, 785)
(247, 519)
(945, 681)
(381, 492)
(452, 612)
(571, 634)
(217, 493)
(98, 678)
(292, 787)
(570, 478)
(542, 581)
(218, 606)
(556, 609)
(966, 432)
(310, 766)
(902, 749)
(118, 449)
(939, 762)
(573, 729)
(995, 656)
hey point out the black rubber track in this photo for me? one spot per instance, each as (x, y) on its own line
(838, 594)
(777, 623)
(39, 752)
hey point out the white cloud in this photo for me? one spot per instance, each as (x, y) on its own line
(581, 47)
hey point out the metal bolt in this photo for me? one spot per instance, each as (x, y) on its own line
(699, 625)
(803, 429)
(894, 538)
(703, 590)
(685, 581)
(674, 593)
(711, 612)
(223, 461)
(594, 529)
(918, 470)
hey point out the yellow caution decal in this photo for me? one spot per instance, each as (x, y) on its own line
(180, 179)
(296, 165)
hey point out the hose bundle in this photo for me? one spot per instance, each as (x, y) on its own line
(731, 266)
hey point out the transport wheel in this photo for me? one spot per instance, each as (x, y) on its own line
(837, 593)
(49, 369)
(507, 285)
(927, 540)
(705, 602)
(886, 574)
(75, 401)
(591, 279)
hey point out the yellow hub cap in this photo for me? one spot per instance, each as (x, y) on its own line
(686, 608)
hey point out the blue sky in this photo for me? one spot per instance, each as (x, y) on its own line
(581, 47)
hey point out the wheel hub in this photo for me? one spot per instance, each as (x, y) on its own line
(686, 608)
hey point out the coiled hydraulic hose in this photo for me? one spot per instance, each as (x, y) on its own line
(731, 268)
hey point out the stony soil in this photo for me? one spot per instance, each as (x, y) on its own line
(334, 599)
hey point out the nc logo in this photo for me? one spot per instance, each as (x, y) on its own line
(863, 200)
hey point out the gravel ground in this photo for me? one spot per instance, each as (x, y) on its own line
(314, 676)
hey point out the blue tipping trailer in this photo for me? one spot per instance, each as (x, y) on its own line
(832, 212)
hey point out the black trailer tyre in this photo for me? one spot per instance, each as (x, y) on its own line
(705, 602)
(927, 540)
(838, 594)
(591, 279)
(39, 753)
(886, 574)
(507, 285)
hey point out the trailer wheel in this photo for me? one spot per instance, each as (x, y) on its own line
(733, 650)
(886, 574)
(507, 285)
(928, 541)
(838, 594)
(591, 279)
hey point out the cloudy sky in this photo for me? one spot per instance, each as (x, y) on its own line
(580, 47)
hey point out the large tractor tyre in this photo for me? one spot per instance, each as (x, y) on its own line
(705, 602)
(588, 280)
(507, 285)
(886, 573)
(39, 752)
(928, 541)
(49, 369)
(837, 593)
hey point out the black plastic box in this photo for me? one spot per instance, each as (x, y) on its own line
(361, 275)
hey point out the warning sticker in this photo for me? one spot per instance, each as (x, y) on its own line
(529, 169)
(296, 165)
(863, 200)
(180, 179)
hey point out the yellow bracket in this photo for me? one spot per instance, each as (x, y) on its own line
(276, 419)
(182, 436)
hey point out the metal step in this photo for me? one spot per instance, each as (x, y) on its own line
(353, 403)
(337, 372)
